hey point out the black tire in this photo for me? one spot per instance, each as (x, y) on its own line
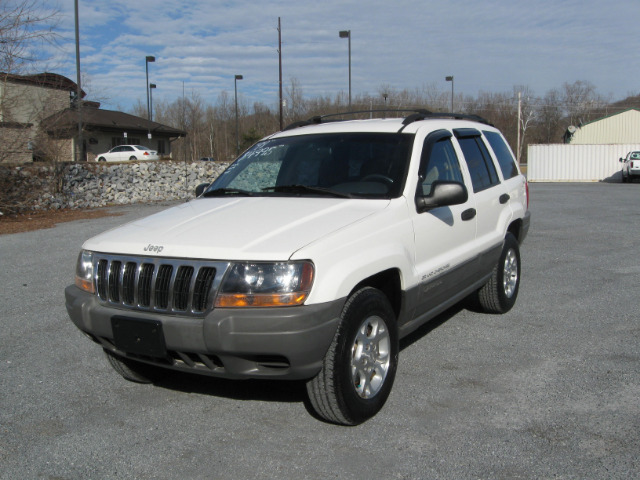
(366, 342)
(624, 178)
(132, 158)
(131, 370)
(499, 294)
(102, 159)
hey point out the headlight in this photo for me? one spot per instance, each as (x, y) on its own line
(84, 272)
(266, 285)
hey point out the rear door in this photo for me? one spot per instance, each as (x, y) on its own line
(515, 184)
(491, 196)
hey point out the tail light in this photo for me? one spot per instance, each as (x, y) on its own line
(146, 153)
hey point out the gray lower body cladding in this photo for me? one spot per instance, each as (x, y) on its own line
(288, 343)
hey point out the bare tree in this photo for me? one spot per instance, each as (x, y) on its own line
(211, 127)
(550, 116)
(24, 24)
(296, 108)
(580, 100)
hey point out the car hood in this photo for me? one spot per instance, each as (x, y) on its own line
(259, 228)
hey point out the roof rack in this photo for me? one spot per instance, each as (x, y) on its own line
(416, 115)
(457, 116)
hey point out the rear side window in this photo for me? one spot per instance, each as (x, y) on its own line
(483, 172)
(505, 158)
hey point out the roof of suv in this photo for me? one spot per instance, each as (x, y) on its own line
(408, 124)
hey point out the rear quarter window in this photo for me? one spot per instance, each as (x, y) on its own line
(503, 154)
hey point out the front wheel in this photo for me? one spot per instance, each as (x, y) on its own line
(359, 369)
(499, 294)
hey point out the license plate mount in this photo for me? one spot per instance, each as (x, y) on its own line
(139, 336)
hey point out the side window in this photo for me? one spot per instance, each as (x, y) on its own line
(503, 154)
(442, 164)
(483, 172)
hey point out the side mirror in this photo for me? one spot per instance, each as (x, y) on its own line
(442, 194)
(201, 188)
(622, 159)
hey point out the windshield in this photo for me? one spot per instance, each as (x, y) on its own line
(363, 165)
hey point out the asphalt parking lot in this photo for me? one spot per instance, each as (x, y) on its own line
(549, 390)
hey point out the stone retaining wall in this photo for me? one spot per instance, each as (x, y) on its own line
(88, 185)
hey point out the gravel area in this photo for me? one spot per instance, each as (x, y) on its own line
(549, 390)
(49, 219)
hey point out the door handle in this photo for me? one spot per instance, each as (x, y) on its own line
(504, 198)
(468, 214)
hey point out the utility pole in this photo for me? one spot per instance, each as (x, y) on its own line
(280, 69)
(519, 116)
(79, 149)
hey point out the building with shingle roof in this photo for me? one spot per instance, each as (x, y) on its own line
(39, 121)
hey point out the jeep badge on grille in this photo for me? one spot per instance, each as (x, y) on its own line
(154, 248)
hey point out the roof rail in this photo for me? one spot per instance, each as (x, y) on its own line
(457, 116)
(415, 115)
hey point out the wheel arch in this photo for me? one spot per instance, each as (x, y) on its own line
(389, 283)
(516, 229)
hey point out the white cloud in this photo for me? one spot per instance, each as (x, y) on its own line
(488, 46)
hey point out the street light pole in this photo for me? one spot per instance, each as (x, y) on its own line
(347, 34)
(235, 84)
(151, 87)
(148, 59)
(385, 95)
(450, 79)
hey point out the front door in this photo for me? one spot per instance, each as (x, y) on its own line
(444, 235)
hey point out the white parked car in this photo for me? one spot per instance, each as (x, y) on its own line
(123, 153)
(630, 166)
(310, 258)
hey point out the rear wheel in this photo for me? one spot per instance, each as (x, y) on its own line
(499, 294)
(102, 159)
(131, 370)
(132, 158)
(359, 369)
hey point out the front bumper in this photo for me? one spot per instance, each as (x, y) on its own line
(288, 343)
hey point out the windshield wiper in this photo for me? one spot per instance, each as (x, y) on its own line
(219, 192)
(306, 189)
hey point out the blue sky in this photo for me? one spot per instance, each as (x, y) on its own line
(488, 45)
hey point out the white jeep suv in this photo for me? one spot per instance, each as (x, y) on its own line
(311, 256)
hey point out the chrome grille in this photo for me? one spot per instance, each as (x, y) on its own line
(177, 286)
